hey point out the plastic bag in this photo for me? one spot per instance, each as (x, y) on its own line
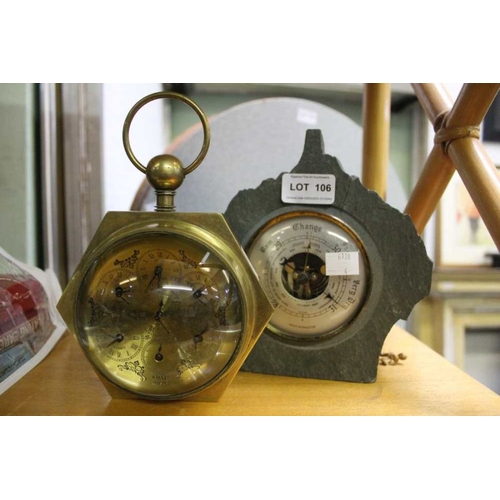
(30, 325)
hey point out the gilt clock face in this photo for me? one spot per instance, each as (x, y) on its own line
(160, 315)
(315, 272)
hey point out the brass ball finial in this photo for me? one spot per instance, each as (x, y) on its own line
(165, 173)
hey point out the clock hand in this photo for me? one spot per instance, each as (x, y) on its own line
(119, 293)
(198, 293)
(199, 337)
(158, 318)
(159, 313)
(159, 355)
(166, 329)
(157, 275)
(118, 338)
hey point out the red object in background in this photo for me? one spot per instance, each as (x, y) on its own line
(19, 300)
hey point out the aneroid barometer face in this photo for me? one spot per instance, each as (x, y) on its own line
(314, 271)
(159, 315)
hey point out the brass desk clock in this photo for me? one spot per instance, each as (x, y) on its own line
(339, 265)
(165, 305)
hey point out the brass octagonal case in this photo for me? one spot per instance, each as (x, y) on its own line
(214, 232)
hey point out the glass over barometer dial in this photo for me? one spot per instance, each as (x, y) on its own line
(314, 271)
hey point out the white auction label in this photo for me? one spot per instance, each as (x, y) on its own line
(342, 263)
(315, 189)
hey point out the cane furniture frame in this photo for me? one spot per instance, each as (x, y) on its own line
(457, 147)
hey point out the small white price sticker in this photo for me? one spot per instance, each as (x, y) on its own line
(315, 189)
(342, 263)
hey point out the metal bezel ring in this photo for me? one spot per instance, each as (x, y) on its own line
(166, 95)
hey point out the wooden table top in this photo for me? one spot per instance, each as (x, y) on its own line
(423, 384)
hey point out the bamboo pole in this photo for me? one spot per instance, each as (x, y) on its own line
(471, 160)
(434, 179)
(438, 170)
(473, 163)
(466, 153)
(481, 179)
(435, 101)
(472, 104)
(376, 129)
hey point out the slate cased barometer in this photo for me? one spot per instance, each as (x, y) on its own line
(165, 305)
(339, 265)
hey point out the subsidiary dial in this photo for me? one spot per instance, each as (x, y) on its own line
(114, 293)
(117, 344)
(154, 265)
(313, 300)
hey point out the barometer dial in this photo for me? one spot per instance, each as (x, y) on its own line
(314, 271)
